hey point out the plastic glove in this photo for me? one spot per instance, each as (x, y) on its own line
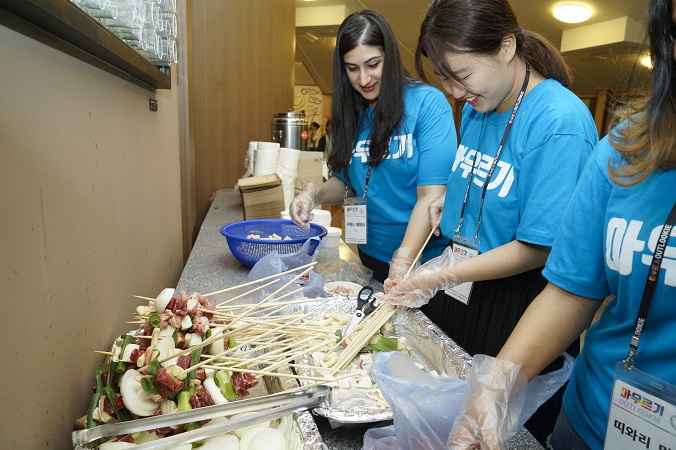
(424, 282)
(401, 262)
(492, 402)
(434, 211)
(300, 209)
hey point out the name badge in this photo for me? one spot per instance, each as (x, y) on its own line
(355, 220)
(463, 249)
(642, 412)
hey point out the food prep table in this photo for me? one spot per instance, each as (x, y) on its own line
(211, 267)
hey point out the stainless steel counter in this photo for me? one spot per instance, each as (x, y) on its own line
(211, 267)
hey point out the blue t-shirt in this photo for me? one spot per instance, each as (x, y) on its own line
(421, 154)
(551, 138)
(605, 246)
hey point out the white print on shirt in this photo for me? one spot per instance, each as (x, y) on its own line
(361, 150)
(503, 175)
(622, 242)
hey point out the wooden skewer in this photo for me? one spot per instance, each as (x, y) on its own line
(259, 280)
(419, 253)
(274, 374)
(237, 297)
(230, 350)
(145, 298)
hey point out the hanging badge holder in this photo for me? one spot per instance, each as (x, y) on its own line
(463, 249)
(355, 220)
(642, 412)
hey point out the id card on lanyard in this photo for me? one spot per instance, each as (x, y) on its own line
(356, 229)
(464, 248)
(642, 413)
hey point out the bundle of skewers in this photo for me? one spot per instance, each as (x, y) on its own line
(190, 351)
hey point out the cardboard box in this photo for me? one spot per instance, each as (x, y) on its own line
(310, 168)
(262, 197)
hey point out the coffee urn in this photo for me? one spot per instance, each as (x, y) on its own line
(290, 130)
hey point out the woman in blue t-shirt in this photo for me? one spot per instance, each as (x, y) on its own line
(524, 139)
(393, 144)
(611, 232)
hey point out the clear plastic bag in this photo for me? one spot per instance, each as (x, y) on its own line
(335, 269)
(274, 263)
(424, 406)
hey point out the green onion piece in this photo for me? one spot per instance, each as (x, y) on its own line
(121, 367)
(232, 342)
(154, 320)
(384, 344)
(339, 333)
(123, 415)
(154, 366)
(94, 402)
(194, 359)
(229, 391)
(148, 385)
(184, 400)
(192, 426)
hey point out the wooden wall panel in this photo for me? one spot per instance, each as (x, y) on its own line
(241, 73)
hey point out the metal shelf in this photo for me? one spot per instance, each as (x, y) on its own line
(64, 26)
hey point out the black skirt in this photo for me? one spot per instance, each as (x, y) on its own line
(483, 326)
(380, 268)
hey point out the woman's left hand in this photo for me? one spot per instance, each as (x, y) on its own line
(423, 283)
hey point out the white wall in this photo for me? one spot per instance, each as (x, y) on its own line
(89, 216)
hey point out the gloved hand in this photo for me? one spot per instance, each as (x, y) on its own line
(401, 262)
(492, 402)
(424, 282)
(300, 209)
(434, 211)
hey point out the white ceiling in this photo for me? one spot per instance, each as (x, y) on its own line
(606, 67)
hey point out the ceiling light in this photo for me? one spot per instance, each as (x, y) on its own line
(646, 61)
(571, 13)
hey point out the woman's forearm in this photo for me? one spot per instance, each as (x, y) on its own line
(418, 226)
(550, 324)
(507, 260)
(331, 192)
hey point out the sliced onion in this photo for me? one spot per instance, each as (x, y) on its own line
(133, 395)
(240, 431)
(213, 390)
(223, 442)
(116, 445)
(263, 438)
(162, 300)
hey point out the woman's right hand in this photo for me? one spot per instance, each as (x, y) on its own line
(434, 213)
(300, 209)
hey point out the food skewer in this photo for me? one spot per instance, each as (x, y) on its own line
(309, 265)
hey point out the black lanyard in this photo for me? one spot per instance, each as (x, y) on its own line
(495, 160)
(366, 186)
(649, 289)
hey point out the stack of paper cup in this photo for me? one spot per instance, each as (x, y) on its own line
(287, 169)
(266, 157)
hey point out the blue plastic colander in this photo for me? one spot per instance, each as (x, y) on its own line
(249, 251)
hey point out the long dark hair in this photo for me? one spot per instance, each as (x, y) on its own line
(478, 26)
(348, 108)
(649, 139)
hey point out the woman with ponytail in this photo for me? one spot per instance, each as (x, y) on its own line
(524, 139)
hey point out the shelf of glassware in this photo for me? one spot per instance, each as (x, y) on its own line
(65, 26)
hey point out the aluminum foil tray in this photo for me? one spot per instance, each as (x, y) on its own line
(429, 346)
